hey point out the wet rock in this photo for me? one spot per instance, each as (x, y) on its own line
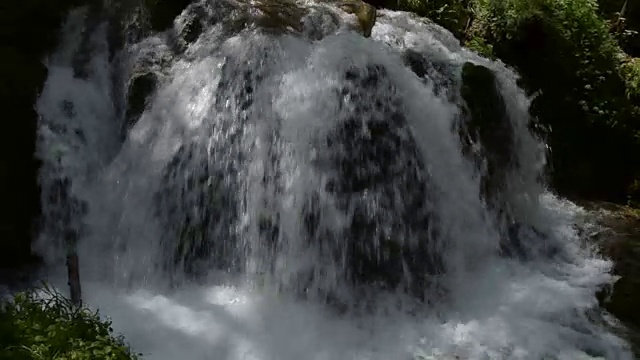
(364, 13)
(188, 27)
(192, 30)
(376, 175)
(280, 15)
(315, 21)
(148, 63)
(527, 243)
(141, 87)
(433, 72)
(488, 138)
(489, 125)
(197, 206)
(319, 22)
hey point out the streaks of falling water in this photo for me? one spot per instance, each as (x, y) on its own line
(321, 169)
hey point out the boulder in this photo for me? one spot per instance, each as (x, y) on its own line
(141, 87)
(489, 125)
(432, 71)
(364, 13)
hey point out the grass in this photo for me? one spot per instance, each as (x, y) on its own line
(41, 324)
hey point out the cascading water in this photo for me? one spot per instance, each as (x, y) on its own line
(288, 189)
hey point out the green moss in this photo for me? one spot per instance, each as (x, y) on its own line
(630, 71)
(44, 325)
(365, 13)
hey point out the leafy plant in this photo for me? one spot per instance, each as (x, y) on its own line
(564, 50)
(42, 324)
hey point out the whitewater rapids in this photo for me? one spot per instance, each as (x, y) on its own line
(245, 114)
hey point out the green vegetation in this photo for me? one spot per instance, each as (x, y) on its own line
(43, 325)
(563, 49)
(571, 54)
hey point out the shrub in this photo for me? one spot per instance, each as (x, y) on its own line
(44, 325)
(564, 51)
(569, 53)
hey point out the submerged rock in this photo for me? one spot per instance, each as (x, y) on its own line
(198, 206)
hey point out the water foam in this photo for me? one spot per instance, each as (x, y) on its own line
(245, 115)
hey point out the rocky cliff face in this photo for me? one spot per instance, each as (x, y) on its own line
(29, 31)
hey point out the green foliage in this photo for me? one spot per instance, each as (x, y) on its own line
(623, 17)
(570, 53)
(39, 325)
(564, 50)
(630, 71)
(566, 35)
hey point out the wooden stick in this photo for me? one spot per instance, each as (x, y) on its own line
(73, 272)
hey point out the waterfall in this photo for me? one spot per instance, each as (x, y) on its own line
(263, 182)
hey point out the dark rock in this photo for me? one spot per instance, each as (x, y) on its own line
(431, 71)
(198, 217)
(488, 124)
(527, 243)
(365, 15)
(375, 172)
(192, 30)
(141, 87)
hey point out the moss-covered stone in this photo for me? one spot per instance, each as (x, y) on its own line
(365, 14)
(280, 14)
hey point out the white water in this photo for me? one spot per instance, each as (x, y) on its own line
(495, 307)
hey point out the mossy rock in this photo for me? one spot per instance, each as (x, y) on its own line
(280, 14)
(365, 13)
(285, 15)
